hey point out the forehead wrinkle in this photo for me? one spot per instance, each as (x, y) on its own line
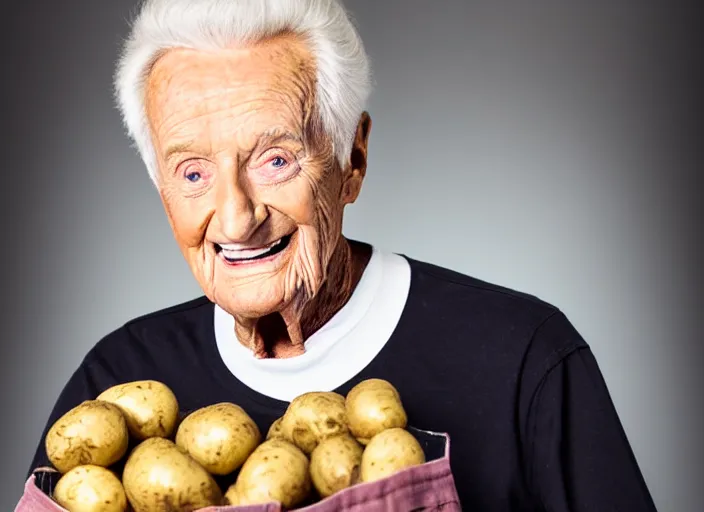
(219, 124)
(200, 69)
(287, 92)
(220, 104)
(229, 102)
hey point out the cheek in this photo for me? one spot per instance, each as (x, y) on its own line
(309, 197)
(296, 200)
(322, 208)
(327, 210)
(188, 218)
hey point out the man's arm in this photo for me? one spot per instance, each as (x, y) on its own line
(86, 383)
(577, 455)
(104, 366)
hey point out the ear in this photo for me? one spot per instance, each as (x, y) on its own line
(358, 161)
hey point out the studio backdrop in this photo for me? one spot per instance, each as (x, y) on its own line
(550, 147)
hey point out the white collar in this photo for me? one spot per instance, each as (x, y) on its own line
(339, 350)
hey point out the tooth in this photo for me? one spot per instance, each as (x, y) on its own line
(244, 254)
(242, 248)
(238, 252)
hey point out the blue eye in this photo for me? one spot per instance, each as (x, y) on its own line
(193, 177)
(278, 162)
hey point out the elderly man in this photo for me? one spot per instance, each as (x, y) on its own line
(249, 116)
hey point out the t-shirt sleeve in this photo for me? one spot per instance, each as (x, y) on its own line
(578, 457)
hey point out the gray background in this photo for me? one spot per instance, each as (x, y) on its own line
(553, 148)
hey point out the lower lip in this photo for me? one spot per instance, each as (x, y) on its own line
(259, 261)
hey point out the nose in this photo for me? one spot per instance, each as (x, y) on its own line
(236, 213)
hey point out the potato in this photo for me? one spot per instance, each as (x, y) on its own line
(373, 406)
(232, 498)
(312, 417)
(276, 471)
(220, 437)
(275, 430)
(149, 406)
(159, 476)
(335, 464)
(389, 452)
(93, 432)
(90, 489)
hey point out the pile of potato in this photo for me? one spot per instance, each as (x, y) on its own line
(324, 443)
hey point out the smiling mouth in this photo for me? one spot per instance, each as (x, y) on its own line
(240, 256)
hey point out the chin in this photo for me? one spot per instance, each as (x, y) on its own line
(254, 300)
(272, 284)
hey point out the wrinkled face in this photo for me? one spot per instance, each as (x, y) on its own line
(248, 179)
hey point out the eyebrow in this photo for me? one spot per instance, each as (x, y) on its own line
(181, 147)
(268, 137)
(275, 136)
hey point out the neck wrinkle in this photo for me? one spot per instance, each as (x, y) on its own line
(344, 272)
(342, 277)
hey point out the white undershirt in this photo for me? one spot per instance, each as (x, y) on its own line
(340, 349)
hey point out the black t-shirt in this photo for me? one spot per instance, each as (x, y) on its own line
(531, 422)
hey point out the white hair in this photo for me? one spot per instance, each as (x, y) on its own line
(343, 71)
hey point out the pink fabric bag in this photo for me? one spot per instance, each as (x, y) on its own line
(426, 488)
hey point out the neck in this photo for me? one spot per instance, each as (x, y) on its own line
(283, 335)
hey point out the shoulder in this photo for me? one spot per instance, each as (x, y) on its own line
(185, 315)
(453, 288)
(509, 320)
(153, 332)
